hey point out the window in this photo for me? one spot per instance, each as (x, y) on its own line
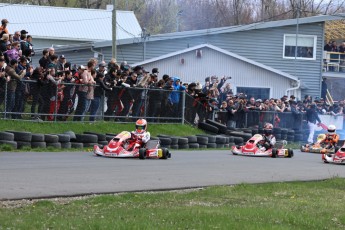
(306, 46)
(257, 93)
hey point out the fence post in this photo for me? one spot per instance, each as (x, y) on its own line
(183, 105)
(6, 88)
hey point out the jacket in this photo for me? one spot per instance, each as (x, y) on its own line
(12, 84)
(174, 96)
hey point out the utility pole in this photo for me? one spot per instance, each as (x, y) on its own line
(114, 30)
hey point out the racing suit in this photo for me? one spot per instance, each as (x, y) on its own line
(267, 142)
(143, 137)
(330, 140)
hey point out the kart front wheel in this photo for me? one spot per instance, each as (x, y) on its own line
(274, 153)
(142, 153)
(290, 153)
(165, 153)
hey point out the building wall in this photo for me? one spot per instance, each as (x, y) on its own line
(213, 62)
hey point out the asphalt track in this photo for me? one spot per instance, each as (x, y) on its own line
(36, 175)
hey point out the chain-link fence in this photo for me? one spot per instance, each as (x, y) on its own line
(51, 101)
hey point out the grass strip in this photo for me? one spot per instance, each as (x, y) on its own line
(293, 205)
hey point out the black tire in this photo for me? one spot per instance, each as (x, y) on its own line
(173, 146)
(185, 146)
(71, 135)
(274, 153)
(211, 145)
(192, 139)
(101, 137)
(202, 146)
(207, 127)
(202, 140)
(290, 137)
(291, 132)
(66, 145)
(231, 144)
(255, 131)
(221, 140)
(247, 131)
(21, 136)
(22, 144)
(277, 130)
(182, 141)
(154, 138)
(109, 138)
(166, 146)
(142, 153)
(278, 136)
(211, 139)
(220, 146)
(284, 136)
(165, 154)
(37, 137)
(298, 137)
(38, 145)
(87, 138)
(6, 136)
(63, 138)
(103, 142)
(290, 153)
(231, 139)
(77, 145)
(51, 138)
(238, 140)
(54, 145)
(13, 144)
(284, 131)
(165, 140)
(86, 145)
(193, 145)
(221, 128)
(174, 140)
(226, 146)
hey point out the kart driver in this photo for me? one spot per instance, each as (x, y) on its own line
(331, 139)
(269, 139)
(140, 131)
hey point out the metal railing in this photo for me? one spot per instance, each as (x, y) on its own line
(32, 100)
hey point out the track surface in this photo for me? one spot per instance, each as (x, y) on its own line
(34, 175)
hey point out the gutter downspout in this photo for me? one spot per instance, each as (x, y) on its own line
(99, 53)
(294, 88)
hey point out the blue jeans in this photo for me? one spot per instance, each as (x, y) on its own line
(10, 102)
(94, 107)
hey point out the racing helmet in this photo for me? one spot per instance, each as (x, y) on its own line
(268, 129)
(140, 126)
(331, 129)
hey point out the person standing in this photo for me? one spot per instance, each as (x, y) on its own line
(312, 118)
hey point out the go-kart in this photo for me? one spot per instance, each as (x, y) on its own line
(127, 145)
(252, 148)
(336, 158)
(319, 146)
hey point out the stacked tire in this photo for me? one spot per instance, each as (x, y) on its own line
(7, 138)
(23, 139)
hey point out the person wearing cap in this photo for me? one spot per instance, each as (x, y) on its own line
(60, 65)
(15, 52)
(16, 36)
(102, 68)
(3, 27)
(155, 71)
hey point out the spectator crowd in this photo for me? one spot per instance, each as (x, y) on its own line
(57, 89)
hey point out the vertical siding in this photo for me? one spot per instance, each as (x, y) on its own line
(264, 46)
(215, 63)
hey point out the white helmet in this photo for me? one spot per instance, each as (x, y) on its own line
(331, 129)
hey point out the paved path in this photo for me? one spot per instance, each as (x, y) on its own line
(30, 175)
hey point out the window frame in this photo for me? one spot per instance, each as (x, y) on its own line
(299, 36)
(255, 87)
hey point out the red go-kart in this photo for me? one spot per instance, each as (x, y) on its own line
(251, 148)
(126, 145)
(336, 158)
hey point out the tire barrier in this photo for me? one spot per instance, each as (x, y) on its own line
(67, 140)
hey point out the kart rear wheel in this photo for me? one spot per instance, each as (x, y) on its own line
(274, 153)
(290, 153)
(142, 153)
(165, 153)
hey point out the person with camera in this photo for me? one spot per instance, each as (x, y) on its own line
(312, 118)
(231, 111)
